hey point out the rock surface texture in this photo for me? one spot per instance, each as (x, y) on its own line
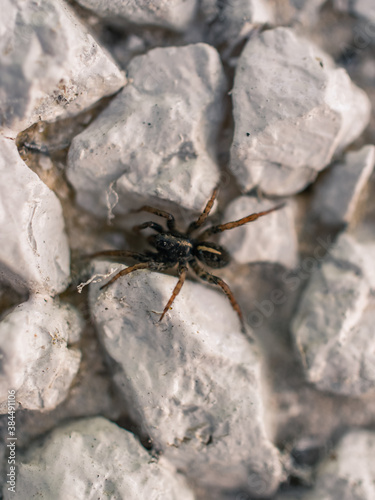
(269, 239)
(360, 8)
(38, 361)
(34, 251)
(50, 65)
(338, 194)
(175, 374)
(157, 138)
(348, 473)
(232, 22)
(111, 108)
(94, 458)
(169, 14)
(333, 327)
(286, 91)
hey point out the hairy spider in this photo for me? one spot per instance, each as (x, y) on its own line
(174, 248)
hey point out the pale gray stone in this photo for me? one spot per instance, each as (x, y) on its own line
(34, 251)
(37, 358)
(350, 475)
(94, 458)
(333, 327)
(293, 110)
(50, 65)
(305, 11)
(364, 234)
(132, 46)
(271, 238)
(192, 380)
(337, 195)
(233, 21)
(360, 8)
(170, 14)
(157, 138)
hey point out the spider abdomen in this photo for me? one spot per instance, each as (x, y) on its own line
(174, 248)
(213, 255)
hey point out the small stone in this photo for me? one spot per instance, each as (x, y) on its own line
(365, 235)
(50, 64)
(338, 193)
(127, 48)
(271, 238)
(360, 8)
(191, 381)
(173, 15)
(94, 458)
(38, 361)
(34, 250)
(286, 91)
(305, 12)
(334, 322)
(348, 472)
(234, 21)
(157, 138)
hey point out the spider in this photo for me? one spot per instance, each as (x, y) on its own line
(174, 248)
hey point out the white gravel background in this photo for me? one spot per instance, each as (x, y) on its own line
(108, 106)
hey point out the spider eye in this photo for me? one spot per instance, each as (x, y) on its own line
(211, 254)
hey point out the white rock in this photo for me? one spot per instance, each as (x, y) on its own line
(192, 381)
(37, 359)
(157, 137)
(34, 249)
(169, 14)
(304, 11)
(234, 20)
(352, 471)
(360, 8)
(338, 193)
(350, 475)
(333, 327)
(94, 458)
(293, 110)
(51, 66)
(271, 238)
(365, 236)
(129, 47)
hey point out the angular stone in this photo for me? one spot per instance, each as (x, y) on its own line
(38, 361)
(192, 381)
(305, 12)
(50, 65)
(34, 251)
(271, 238)
(173, 15)
(286, 92)
(348, 473)
(338, 193)
(231, 22)
(334, 322)
(360, 8)
(94, 458)
(157, 138)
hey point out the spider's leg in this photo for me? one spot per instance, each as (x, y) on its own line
(128, 270)
(152, 225)
(203, 216)
(118, 254)
(171, 223)
(210, 278)
(182, 270)
(240, 222)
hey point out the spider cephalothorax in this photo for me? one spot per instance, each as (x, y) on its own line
(173, 248)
